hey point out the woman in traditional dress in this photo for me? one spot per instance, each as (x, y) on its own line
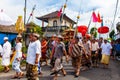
(17, 58)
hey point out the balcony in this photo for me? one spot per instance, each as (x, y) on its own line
(54, 28)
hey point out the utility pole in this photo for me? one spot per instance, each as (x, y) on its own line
(24, 42)
(25, 12)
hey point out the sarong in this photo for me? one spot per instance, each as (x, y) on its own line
(32, 71)
(105, 59)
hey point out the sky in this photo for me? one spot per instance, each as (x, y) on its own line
(106, 8)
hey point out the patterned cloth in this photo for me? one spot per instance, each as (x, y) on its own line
(76, 50)
(85, 61)
(76, 53)
(76, 62)
(32, 71)
(94, 57)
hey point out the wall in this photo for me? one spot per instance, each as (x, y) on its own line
(50, 21)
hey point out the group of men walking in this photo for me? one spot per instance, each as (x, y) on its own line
(84, 54)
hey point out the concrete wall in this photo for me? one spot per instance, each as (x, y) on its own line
(65, 23)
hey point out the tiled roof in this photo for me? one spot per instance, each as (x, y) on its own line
(54, 15)
(7, 29)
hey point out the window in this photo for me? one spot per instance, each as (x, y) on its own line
(55, 23)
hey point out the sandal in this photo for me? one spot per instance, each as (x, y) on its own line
(77, 74)
(14, 77)
(7, 70)
(21, 75)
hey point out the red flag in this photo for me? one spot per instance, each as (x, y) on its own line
(99, 18)
(95, 19)
(59, 12)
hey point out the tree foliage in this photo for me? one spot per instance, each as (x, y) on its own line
(35, 28)
(111, 34)
(93, 32)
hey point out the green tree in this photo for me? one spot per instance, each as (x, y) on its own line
(111, 34)
(35, 28)
(93, 32)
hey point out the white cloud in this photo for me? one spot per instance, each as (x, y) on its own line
(105, 7)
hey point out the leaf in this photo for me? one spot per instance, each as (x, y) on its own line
(111, 34)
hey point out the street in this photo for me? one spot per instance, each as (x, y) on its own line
(113, 73)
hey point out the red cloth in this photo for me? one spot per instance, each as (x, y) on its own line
(99, 18)
(44, 48)
(95, 19)
(59, 12)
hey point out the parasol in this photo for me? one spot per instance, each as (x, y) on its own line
(103, 29)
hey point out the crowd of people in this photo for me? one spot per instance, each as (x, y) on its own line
(84, 53)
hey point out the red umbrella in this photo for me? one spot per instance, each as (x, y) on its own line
(87, 35)
(81, 28)
(103, 29)
(83, 32)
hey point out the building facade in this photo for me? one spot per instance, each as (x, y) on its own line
(55, 24)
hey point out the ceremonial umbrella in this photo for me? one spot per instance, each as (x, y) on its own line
(103, 29)
(82, 29)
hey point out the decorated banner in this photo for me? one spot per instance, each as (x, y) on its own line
(19, 25)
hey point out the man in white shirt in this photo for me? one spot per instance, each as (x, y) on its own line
(33, 57)
(6, 54)
(94, 52)
(1, 50)
(106, 51)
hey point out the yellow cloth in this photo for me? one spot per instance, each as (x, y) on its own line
(13, 56)
(105, 59)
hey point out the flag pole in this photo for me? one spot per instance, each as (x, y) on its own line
(61, 20)
(31, 14)
(25, 12)
(78, 17)
(89, 23)
(25, 5)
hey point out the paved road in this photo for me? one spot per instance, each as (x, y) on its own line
(113, 73)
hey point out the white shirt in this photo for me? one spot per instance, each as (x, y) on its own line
(6, 54)
(106, 48)
(33, 49)
(53, 43)
(18, 49)
(1, 49)
(89, 43)
(6, 49)
(94, 46)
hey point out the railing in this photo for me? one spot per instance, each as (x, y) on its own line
(54, 28)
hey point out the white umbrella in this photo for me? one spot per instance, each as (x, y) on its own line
(5, 19)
